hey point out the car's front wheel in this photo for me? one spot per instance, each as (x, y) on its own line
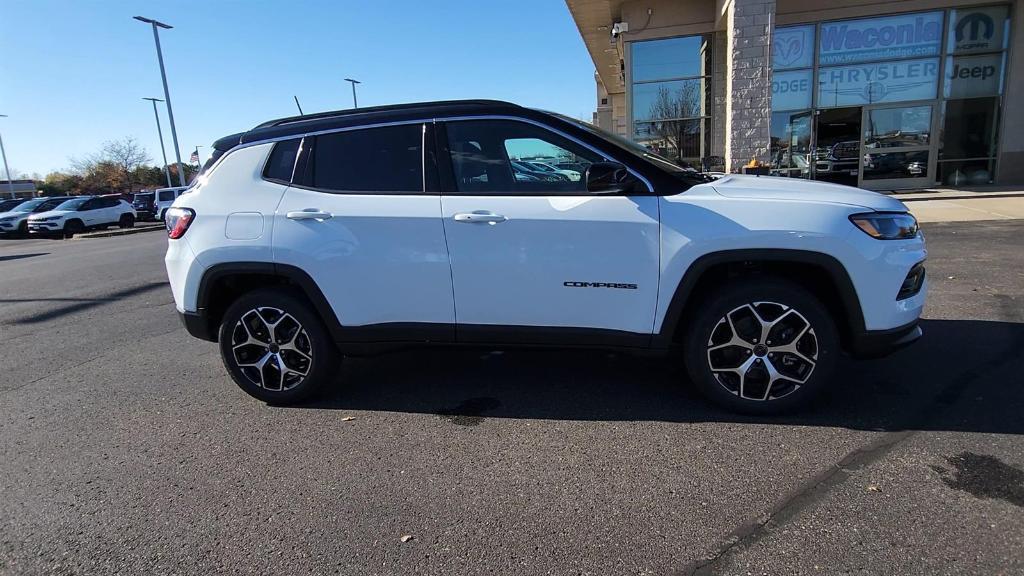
(761, 346)
(275, 347)
(72, 227)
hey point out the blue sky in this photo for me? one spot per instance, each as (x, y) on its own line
(72, 73)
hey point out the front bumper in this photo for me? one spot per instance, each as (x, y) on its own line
(878, 343)
(44, 227)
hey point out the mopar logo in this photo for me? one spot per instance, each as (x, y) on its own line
(977, 25)
(571, 284)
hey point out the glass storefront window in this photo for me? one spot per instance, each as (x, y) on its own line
(969, 129)
(792, 90)
(966, 172)
(876, 83)
(894, 165)
(682, 141)
(670, 97)
(885, 38)
(898, 127)
(982, 29)
(791, 144)
(670, 58)
(793, 47)
(972, 76)
(671, 100)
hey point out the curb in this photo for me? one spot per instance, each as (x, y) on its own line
(925, 196)
(119, 232)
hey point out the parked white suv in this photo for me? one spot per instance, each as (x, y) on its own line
(354, 232)
(163, 198)
(83, 213)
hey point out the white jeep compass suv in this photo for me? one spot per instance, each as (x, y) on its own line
(354, 232)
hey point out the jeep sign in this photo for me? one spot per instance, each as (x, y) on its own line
(972, 76)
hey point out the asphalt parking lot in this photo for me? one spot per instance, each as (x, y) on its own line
(125, 448)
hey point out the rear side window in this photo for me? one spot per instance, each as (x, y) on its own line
(282, 161)
(388, 159)
(166, 196)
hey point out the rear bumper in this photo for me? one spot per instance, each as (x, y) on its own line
(878, 343)
(198, 325)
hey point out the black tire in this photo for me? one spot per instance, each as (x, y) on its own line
(126, 221)
(160, 216)
(272, 305)
(22, 229)
(749, 302)
(72, 227)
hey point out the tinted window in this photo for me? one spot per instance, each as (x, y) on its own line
(492, 156)
(282, 161)
(49, 204)
(10, 204)
(372, 160)
(166, 196)
(108, 202)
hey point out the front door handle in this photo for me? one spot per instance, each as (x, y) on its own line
(309, 214)
(479, 216)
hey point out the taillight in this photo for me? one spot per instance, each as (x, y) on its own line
(177, 221)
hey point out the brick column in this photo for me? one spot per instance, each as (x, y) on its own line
(748, 82)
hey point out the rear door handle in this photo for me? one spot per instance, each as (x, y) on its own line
(479, 216)
(309, 214)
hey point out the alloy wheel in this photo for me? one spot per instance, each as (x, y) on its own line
(271, 349)
(762, 351)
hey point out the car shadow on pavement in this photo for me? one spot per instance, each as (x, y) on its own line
(963, 375)
(80, 304)
(20, 256)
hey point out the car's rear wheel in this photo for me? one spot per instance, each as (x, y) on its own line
(275, 347)
(761, 346)
(72, 227)
(126, 221)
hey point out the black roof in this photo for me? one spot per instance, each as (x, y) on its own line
(320, 121)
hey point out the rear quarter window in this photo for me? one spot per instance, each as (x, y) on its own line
(282, 161)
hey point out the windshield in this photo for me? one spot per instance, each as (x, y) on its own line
(147, 196)
(631, 147)
(72, 204)
(8, 205)
(40, 205)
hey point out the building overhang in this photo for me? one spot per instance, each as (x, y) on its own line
(594, 19)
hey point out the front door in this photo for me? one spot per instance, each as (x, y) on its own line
(836, 151)
(898, 147)
(534, 256)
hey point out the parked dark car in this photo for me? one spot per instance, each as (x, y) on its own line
(143, 204)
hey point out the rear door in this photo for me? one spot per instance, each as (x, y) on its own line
(91, 212)
(363, 218)
(543, 260)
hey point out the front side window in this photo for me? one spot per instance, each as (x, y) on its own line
(387, 159)
(499, 156)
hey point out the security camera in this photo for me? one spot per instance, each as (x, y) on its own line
(618, 28)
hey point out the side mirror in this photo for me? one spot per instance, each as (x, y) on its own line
(609, 178)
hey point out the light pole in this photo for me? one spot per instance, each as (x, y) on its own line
(167, 93)
(160, 133)
(355, 103)
(10, 182)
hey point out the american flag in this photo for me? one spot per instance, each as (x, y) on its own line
(195, 157)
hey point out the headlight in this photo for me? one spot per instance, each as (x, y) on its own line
(886, 226)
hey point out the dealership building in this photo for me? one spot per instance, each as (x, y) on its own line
(882, 95)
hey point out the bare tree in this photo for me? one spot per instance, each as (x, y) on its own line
(128, 155)
(673, 106)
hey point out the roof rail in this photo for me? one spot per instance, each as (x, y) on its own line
(384, 108)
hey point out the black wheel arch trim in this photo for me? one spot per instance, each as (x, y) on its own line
(836, 271)
(293, 274)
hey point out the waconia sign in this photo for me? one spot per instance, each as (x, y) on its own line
(889, 37)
